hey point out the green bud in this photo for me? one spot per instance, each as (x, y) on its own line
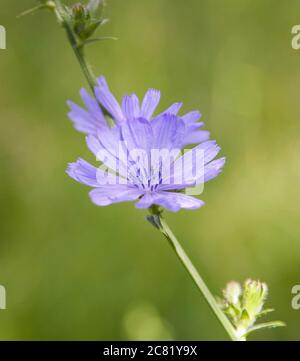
(86, 19)
(254, 296)
(79, 12)
(232, 293)
(244, 305)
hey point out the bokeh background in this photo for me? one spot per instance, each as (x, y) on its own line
(76, 271)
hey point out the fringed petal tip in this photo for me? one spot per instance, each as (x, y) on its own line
(214, 168)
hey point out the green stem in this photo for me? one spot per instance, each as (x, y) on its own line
(162, 225)
(77, 47)
(78, 51)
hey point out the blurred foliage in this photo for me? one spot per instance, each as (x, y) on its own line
(76, 271)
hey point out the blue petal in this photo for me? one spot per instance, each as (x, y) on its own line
(109, 194)
(137, 134)
(213, 169)
(87, 121)
(192, 136)
(190, 167)
(168, 131)
(107, 148)
(93, 107)
(131, 106)
(150, 103)
(107, 99)
(82, 119)
(173, 109)
(191, 117)
(83, 172)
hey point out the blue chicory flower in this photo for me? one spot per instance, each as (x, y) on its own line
(141, 154)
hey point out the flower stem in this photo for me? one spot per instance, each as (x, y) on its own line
(158, 221)
(77, 47)
(78, 50)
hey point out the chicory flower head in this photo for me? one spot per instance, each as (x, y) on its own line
(141, 154)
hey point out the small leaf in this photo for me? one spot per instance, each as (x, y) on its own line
(232, 312)
(264, 312)
(104, 21)
(89, 29)
(93, 40)
(44, 5)
(245, 316)
(260, 326)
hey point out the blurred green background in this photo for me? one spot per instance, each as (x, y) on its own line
(76, 271)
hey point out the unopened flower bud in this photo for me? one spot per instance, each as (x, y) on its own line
(85, 19)
(244, 305)
(254, 296)
(79, 12)
(232, 293)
